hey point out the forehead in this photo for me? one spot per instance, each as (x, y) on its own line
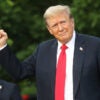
(57, 17)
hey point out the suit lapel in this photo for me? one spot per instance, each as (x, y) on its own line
(78, 62)
(52, 66)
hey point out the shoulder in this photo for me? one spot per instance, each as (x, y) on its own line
(6, 86)
(9, 91)
(89, 39)
(5, 83)
(48, 43)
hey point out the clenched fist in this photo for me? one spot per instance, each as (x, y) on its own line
(3, 38)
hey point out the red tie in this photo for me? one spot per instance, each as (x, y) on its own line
(60, 75)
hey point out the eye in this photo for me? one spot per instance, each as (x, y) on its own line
(63, 22)
(53, 26)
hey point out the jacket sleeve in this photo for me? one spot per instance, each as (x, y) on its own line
(18, 70)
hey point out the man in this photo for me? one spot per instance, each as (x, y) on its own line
(82, 80)
(9, 91)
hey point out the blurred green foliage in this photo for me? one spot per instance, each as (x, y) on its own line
(87, 16)
(23, 21)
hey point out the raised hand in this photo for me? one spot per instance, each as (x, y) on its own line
(3, 38)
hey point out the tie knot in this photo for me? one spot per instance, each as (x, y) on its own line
(64, 47)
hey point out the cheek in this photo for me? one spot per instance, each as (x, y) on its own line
(53, 32)
(71, 25)
(50, 31)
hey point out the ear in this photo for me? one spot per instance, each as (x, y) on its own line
(72, 22)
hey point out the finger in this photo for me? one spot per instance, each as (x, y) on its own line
(0, 35)
(2, 32)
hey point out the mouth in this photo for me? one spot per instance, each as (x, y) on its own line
(62, 34)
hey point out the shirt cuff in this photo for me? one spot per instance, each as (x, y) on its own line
(3, 47)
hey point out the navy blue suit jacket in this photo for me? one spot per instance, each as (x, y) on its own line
(9, 91)
(42, 65)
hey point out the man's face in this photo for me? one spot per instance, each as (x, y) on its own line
(61, 26)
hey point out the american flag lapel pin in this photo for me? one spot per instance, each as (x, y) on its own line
(0, 87)
(81, 48)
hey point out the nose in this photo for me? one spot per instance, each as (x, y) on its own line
(60, 27)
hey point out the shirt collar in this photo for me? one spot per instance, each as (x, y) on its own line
(70, 43)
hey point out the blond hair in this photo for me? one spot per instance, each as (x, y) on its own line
(53, 10)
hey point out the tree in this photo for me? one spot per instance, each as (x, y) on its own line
(87, 16)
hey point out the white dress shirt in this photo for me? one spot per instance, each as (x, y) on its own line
(69, 67)
(3, 47)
